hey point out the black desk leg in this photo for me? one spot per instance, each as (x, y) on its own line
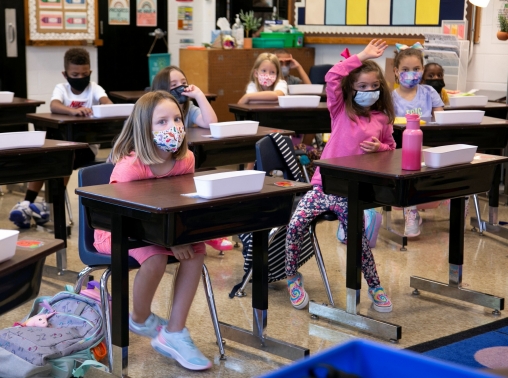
(456, 260)
(350, 316)
(57, 190)
(120, 294)
(257, 338)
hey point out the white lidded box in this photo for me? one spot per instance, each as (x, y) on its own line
(459, 117)
(458, 101)
(299, 101)
(8, 240)
(6, 96)
(443, 156)
(233, 128)
(305, 89)
(112, 110)
(226, 184)
(22, 139)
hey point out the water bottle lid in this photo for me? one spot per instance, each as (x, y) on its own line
(412, 117)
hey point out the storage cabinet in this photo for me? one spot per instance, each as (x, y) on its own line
(226, 72)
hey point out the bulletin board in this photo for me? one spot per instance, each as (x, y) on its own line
(61, 21)
(377, 17)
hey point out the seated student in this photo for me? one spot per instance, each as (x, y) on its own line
(287, 62)
(75, 97)
(433, 75)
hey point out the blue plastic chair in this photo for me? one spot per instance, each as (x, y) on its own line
(318, 72)
(98, 175)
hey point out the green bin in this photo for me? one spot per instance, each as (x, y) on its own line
(287, 37)
(264, 43)
(157, 62)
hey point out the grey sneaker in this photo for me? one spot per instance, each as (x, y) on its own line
(40, 212)
(21, 214)
(150, 328)
(412, 224)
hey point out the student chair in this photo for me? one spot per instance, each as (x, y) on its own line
(268, 159)
(97, 175)
(318, 72)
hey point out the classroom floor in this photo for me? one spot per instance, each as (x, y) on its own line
(422, 318)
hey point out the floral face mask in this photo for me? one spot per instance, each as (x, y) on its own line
(266, 80)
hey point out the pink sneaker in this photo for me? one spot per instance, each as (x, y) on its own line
(221, 244)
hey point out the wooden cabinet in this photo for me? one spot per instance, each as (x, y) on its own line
(226, 72)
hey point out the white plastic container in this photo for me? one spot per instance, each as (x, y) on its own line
(459, 117)
(226, 184)
(461, 101)
(6, 96)
(112, 110)
(22, 139)
(305, 89)
(233, 128)
(299, 101)
(443, 156)
(8, 240)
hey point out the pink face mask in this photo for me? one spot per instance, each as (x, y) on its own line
(266, 80)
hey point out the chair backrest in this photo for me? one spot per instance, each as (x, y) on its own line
(269, 158)
(93, 175)
(318, 72)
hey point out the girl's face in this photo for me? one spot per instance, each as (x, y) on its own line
(409, 64)
(176, 78)
(367, 81)
(166, 115)
(266, 68)
(433, 73)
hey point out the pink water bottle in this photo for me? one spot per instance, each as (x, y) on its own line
(412, 139)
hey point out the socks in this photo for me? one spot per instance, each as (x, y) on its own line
(30, 195)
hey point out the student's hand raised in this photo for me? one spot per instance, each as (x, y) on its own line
(369, 147)
(374, 49)
(183, 252)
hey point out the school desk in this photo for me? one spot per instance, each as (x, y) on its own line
(130, 97)
(13, 114)
(52, 162)
(156, 212)
(492, 109)
(211, 152)
(300, 120)
(371, 180)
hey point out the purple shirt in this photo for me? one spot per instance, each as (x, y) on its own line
(426, 98)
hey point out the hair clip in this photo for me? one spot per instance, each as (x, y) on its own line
(416, 46)
(345, 53)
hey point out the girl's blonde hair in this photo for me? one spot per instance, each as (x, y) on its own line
(384, 104)
(161, 82)
(260, 59)
(137, 136)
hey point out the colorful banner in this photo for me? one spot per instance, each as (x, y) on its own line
(185, 18)
(119, 12)
(146, 13)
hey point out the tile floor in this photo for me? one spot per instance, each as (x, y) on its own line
(422, 318)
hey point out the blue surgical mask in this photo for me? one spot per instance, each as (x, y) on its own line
(177, 93)
(410, 79)
(367, 98)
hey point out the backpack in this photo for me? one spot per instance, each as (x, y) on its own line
(56, 350)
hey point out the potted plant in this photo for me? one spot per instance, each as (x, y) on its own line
(250, 24)
(502, 34)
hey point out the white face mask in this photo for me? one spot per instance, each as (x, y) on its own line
(284, 70)
(169, 140)
(367, 98)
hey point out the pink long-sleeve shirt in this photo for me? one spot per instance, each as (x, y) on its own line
(347, 135)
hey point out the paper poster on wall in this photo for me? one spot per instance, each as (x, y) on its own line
(50, 20)
(146, 13)
(119, 12)
(500, 7)
(75, 20)
(74, 4)
(185, 18)
(55, 4)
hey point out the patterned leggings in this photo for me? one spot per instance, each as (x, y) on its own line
(314, 203)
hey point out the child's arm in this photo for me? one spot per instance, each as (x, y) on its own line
(105, 100)
(56, 106)
(385, 143)
(207, 115)
(301, 72)
(261, 96)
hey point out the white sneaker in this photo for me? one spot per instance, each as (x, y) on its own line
(412, 223)
(21, 214)
(40, 212)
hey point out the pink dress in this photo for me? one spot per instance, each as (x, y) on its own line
(131, 169)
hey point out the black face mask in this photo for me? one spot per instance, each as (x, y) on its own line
(437, 84)
(177, 93)
(78, 84)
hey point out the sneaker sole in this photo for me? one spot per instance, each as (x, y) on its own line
(379, 308)
(142, 334)
(302, 305)
(19, 220)
(171, 353)
(412, 235)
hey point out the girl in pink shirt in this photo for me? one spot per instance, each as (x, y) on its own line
(362, 115)
(152, 145)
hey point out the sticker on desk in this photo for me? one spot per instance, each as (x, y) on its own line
(191, 195)
(32, 244)
(284, 184)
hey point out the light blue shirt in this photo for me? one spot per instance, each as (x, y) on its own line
(426, 98)
(192, 114)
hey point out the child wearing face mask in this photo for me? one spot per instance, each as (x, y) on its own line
(361, 110)
(287, 63)
(75, 97)
(152, 145)
(172, 79)
(433, 75)
(266, 82)
(411, 97)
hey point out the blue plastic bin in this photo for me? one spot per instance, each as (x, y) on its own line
(370, 360)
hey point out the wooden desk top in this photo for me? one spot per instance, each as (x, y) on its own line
(486, 122)
(387, 164)
(274, 107)
(135, 95)
(195, 136)
(163, 195)
(49, 146)
(59, 119)
(27, 256)
(18, 102)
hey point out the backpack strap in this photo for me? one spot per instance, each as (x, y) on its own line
(81, 371)
(287, 152)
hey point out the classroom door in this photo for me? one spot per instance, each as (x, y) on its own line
(12, 47)
(122, 60)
